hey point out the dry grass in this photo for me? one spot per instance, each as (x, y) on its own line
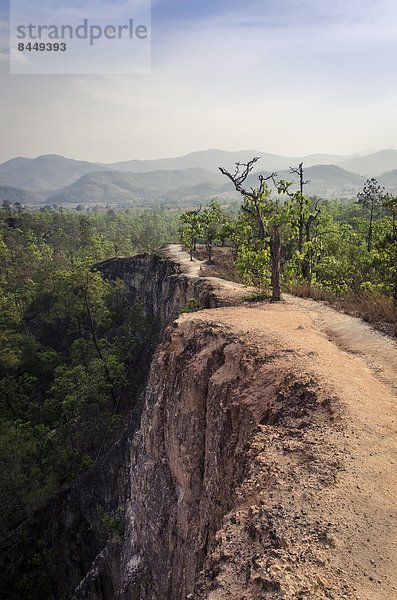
(222, 264)
(374, 308)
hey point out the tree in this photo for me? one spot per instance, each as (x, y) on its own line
(371, 198)
(190, 229)
(390, 204)
(301, 202)
(211, 220)
(234, 231)
(304, 213)
(263, 211)
(70, 343)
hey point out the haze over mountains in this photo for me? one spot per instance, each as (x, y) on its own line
(183, 180)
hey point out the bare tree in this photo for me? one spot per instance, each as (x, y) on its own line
(305, 218)
(301, 203)
(257, 204)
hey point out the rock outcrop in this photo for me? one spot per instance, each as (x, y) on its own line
(201, 520)
(156, 283)
(237, 478)
(225, 433)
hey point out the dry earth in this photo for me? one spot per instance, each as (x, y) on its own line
(326, 498)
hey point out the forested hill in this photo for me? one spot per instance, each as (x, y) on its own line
(44, 173)
(181, 181)
(139, 189)
(75, 346)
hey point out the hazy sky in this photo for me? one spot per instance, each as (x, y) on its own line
(291, 77)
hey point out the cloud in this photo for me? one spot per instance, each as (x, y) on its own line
(289, 76)
(55, 10)
(311, 52)
(4, 55)
(17, 58)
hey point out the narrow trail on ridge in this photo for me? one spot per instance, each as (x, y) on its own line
(357, 366)
(349, 333)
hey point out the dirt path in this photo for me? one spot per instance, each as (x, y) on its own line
(358, 366)
(348, 333)
(188, 266)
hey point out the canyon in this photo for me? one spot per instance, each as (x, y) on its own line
(263, 465)
(258, 459)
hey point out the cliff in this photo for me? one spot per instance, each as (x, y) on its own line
(157, 283)
(258, 460)
(219, 419)
(164, 292)
(248, 474)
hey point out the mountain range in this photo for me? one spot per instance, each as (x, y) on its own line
(180, 181)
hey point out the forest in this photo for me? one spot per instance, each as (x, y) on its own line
(341, 251)
(70, 343)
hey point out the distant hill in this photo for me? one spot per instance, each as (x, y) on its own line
(52, 172)
(209, 160)
(389, 180)
(191, 178)
(43, 173)
(212, 159)
(140, 189)
(324, 180)
(372, 165)
(190, 186)
(13, 195)
(312, 160)
(330, 180)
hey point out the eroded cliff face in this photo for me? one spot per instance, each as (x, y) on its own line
(242, 476)
(163, 292)
(224, 471)
(180, 462)
(222, 422)
(156, 283)
(239, 477)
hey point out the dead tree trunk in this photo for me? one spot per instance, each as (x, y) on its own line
(275, 257)
(255, 201)
(301, 217)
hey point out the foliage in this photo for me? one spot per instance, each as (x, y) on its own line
(114, 524)
(253, 268)
(371, 199)
(209, 225)
(190, 229)
(213, 219)
(70, 344)
(331, 249)
(191, 306)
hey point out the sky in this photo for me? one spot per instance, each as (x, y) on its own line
(290, 77)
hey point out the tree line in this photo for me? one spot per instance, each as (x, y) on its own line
(284, 238)
(70, 343)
